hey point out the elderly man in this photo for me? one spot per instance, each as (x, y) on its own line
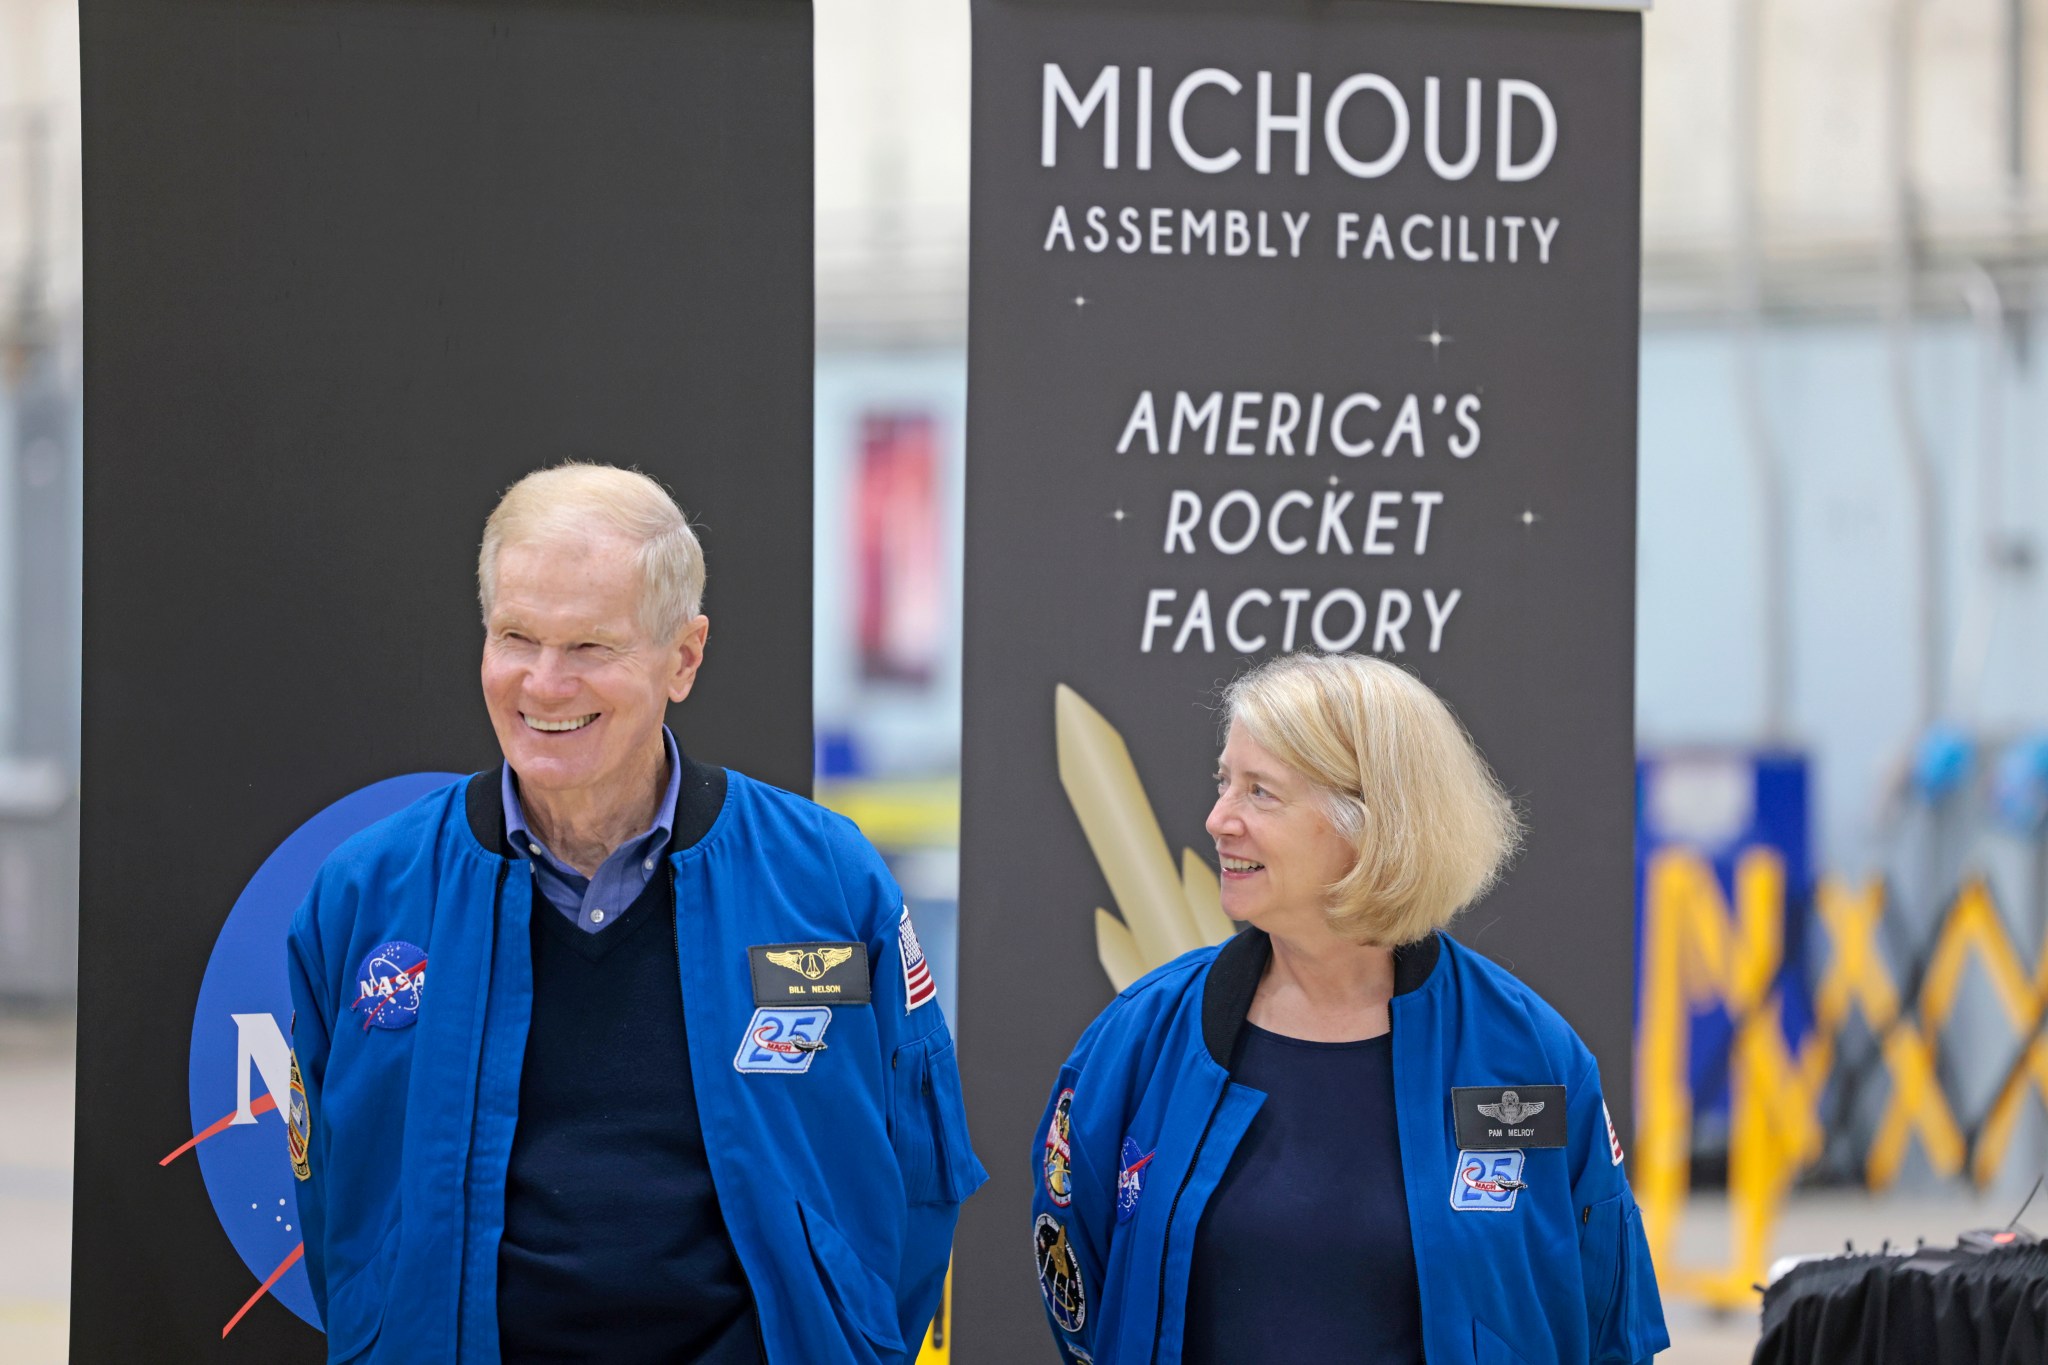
(609, 1055)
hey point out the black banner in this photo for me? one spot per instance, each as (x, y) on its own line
(1293, 326)
(351, 268)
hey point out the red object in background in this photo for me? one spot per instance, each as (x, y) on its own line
(896, 547)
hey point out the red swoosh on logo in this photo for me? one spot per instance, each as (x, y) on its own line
(264, 1288)
(262, 1104)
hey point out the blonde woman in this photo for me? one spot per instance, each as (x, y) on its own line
(1340, 1137)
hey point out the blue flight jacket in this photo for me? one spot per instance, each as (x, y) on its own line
(840, 1182)
(1153, 1118)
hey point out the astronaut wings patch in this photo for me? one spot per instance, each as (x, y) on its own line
(918, 988)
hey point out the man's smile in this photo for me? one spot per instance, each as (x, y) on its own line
(554, 727)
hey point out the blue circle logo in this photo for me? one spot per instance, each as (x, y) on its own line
(242, 1074)
(388, 985)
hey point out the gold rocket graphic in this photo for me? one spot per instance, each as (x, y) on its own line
(1166, 911)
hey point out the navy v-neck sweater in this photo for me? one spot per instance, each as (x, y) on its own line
(614, 1246)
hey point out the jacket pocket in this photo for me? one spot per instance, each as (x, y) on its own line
(355, 1307)
(859, 1295)
(1624, 1316)
(1600, 1264)
(928, 1123)
(1489, 1349)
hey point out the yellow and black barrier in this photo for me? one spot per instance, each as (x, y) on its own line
(1700, 950)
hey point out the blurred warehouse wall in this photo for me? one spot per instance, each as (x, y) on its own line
(40, 498)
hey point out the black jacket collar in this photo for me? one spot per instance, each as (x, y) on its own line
(698, 802)
(1234, 979)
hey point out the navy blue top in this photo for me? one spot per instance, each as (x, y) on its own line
(615, 1248)
(590, 903)
(1303, 1252)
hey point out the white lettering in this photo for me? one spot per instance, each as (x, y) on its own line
(1271, 123)
(1389, 626)
(1143, 418)
(1177, 118)
(1230, 631)
(1432, 142)
(1293, 497)
(260, 1042)
(1198, 619)
(1333, 133)
(1154, 600)
(1183, 514)
(1102, 95)
(1370, 543)
(1437, 616)
(1337, 644)
(1505, 164)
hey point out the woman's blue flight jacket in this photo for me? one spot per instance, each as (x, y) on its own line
(840, 1182)
(1153, 1118)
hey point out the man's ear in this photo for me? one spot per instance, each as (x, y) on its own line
(689, 657)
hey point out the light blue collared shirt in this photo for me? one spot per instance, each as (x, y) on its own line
(591, 903)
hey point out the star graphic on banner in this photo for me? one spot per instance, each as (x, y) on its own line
(1529, 518)
(1080, 302)
(1119, 514)
(1333, 481)
(1437, 340)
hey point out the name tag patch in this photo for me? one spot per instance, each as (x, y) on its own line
(1492, 1118)
(1487, 1182)
(807, 973)
(783, 1042)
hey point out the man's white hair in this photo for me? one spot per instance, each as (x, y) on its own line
(578, 498)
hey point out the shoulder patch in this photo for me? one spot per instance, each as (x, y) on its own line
(918, 987)
(1059, 1274)
(1130, 1179)
(298, 1123)
(1059, 1157)
(390, 984)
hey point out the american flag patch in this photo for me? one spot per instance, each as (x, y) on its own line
(1613, 1139)
(917, 977)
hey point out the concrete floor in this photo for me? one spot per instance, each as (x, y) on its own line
(35, 1189)
(35, 1209)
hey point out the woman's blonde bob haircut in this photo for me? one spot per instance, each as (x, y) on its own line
(577, 500)
(1399, 777)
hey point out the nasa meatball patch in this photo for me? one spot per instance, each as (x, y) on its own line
(389, 985)
(1130, 1179)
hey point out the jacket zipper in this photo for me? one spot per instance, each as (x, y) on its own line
(1166, 1241)
(675, 928)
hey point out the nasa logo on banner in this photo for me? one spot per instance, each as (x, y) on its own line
(241, 1069)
